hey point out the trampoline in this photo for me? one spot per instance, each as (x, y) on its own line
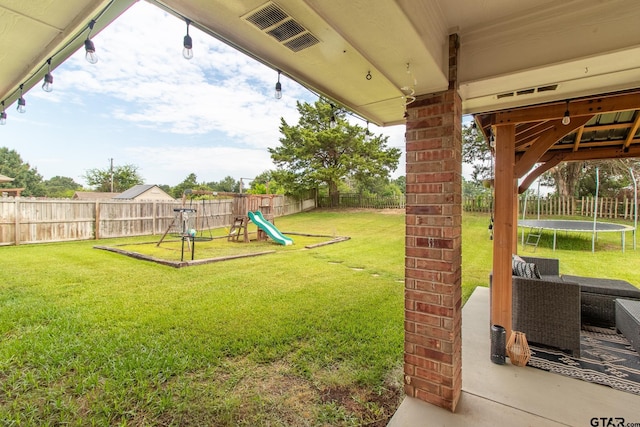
(574, 226)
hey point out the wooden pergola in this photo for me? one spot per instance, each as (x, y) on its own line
(531, 140)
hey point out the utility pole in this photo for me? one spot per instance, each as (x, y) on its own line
(111, 171)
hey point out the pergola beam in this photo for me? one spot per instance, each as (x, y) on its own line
(542, 168)
(614, 152)
(545, 142)
(586, 107)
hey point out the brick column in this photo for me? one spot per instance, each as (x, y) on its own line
(433, 293)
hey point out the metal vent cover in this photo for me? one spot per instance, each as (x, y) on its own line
(272, 20)
(304, 41)
(267, 16)
(286, 30)
(529, 91)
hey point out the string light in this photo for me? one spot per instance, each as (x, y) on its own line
(3, 116)
(187, 52)
(278, 92)
(47, 85)
(332, 120)
(89, 47)
(367, 133)
(567, 117)
(22, 104)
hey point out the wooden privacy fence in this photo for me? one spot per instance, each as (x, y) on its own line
(561, 206)
(359, 201)
(24, 220)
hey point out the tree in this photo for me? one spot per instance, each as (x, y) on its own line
(24, 176)
(476, 152)
(228, 184)
(266, 183)
(189, 183)
(61, 186)
(124, 177)
(315, 152)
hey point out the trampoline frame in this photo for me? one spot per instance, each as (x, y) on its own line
(586, 227)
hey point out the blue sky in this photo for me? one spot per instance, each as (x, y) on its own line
(144, 104)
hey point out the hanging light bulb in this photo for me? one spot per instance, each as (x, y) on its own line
(3, 116)
(367, 133)
(278, 92)
(187, 52)
(47, 85)
(89, 47)
(584, 167)
(332, 121)
(567, 117)
(22, 104)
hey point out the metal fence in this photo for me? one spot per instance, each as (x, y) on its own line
(25, 220)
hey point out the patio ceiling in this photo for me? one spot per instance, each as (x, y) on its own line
(512, 53)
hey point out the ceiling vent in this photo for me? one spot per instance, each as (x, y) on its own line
(272, 20)
(529, 91)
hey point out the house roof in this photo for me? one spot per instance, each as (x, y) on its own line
(93, 195)
(135, 191)
(138, 190)
(372, 56)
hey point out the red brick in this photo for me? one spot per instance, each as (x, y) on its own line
(424, 297)
(437, 310)
(425, 319)
(424, 210)
(433, 354)
(434, 243)
(421, 362)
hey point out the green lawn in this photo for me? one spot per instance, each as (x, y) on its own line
(298, 337)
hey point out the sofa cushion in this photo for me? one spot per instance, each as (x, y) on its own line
(524, 269)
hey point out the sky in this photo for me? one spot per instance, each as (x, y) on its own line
(144, 105)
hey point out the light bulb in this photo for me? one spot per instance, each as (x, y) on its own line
(567, 117)
(3, 118)
(22, 105)
(278, 92)
(47, 85)
(187, 52)
(332, 121)
(90, 54)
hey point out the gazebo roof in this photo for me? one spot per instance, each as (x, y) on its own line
(598, 127)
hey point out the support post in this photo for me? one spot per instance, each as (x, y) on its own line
(504, 235)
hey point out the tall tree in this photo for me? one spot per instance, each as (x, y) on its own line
(61, 186)
(24, 176)
(227, 184)
(189, 183)
(476, 152)
(124, 177)
(324, 148)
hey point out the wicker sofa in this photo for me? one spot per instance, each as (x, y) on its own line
(547, 310)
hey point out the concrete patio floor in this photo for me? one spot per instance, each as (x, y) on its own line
(517, 396)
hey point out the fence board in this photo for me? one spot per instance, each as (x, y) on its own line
(25, 220)
(561, 206)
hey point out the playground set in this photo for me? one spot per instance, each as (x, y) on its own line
(190, 227)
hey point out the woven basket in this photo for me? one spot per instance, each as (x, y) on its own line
(518, 349)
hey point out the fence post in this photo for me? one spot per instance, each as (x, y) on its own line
(16, 219)
(96, 233)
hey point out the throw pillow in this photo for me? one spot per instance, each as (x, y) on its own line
(525, 269)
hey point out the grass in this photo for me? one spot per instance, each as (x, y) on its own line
(299, 337)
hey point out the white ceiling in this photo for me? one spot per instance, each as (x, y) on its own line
(584, 47)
